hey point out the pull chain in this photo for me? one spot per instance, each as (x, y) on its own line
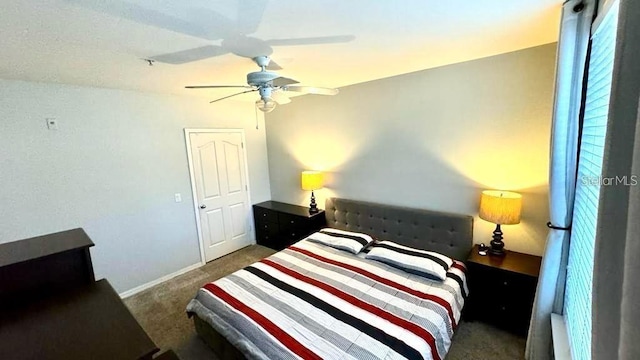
(256, 110)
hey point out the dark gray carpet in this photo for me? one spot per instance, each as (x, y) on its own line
(160, 311)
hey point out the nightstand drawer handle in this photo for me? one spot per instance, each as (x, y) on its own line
(505, 283)
(264, 215)
(292, 221)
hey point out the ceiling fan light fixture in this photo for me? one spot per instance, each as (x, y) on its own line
(266, 104)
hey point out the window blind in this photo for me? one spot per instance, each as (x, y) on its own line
(577, 302)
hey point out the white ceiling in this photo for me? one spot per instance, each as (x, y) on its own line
(101, 43)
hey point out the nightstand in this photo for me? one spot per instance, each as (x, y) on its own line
(501, 289)
(279, 225)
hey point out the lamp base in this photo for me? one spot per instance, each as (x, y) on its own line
(497, 246)
(313, 207)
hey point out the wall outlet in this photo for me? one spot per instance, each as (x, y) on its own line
(178, 197)
(52, 124)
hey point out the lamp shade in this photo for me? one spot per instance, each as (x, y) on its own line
(500, 207)
(312, 180)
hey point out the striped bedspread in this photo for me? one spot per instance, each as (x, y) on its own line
(311, 301)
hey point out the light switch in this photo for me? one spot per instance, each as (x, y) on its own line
(52, 124)
(178, 197)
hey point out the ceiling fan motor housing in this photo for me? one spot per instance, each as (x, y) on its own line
(265, 92)
(259, 78)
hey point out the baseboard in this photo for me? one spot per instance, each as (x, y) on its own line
(155, 282)
(561, 350)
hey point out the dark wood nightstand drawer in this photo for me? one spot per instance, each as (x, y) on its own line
(501, 290)
(507, 284)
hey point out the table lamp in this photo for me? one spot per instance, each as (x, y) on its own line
(500, 208)
(312, 180)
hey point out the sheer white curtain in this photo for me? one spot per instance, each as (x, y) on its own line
(570, 64)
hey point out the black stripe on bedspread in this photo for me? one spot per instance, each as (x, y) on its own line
(434, 306)
(362, 241)
(436, 259)
(395, 309)
(302, 318)
(397, 345)
(459, 281)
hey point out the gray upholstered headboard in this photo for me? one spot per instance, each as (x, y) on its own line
(446, 233)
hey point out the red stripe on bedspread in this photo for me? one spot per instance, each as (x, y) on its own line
(417, 330)
(385, 281)
(286, 339)
(460, 266)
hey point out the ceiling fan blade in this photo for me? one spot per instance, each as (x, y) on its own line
(236, 94)
(214, 25)
(218, 86)
(310, 90)
(280, 98)
(273, 66)
(142, 15)
(250, 14)
(185, 56)
(283, 81)
(311, 40)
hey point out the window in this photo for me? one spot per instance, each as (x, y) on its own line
(577, 304)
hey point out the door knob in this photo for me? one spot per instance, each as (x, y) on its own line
(203, 206)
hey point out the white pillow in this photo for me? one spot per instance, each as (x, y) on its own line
(344, 240)
(421, 262)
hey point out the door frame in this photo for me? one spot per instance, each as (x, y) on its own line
(196, 208)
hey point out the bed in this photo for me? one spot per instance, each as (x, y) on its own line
(314, 301)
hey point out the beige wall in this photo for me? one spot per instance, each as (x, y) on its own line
(432, 139)
(113, 168)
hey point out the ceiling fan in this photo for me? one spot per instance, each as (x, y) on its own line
(203, 19)
(269, 85)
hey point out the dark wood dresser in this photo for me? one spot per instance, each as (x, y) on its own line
(279, 225)
(44, 265)
(52, 308)
(501, 289)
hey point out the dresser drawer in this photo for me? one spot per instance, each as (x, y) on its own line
(288, 221)
(268, 227)
(263, 215)
(267, 238)
(276, 241)
(279, 225)
(294, 235)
